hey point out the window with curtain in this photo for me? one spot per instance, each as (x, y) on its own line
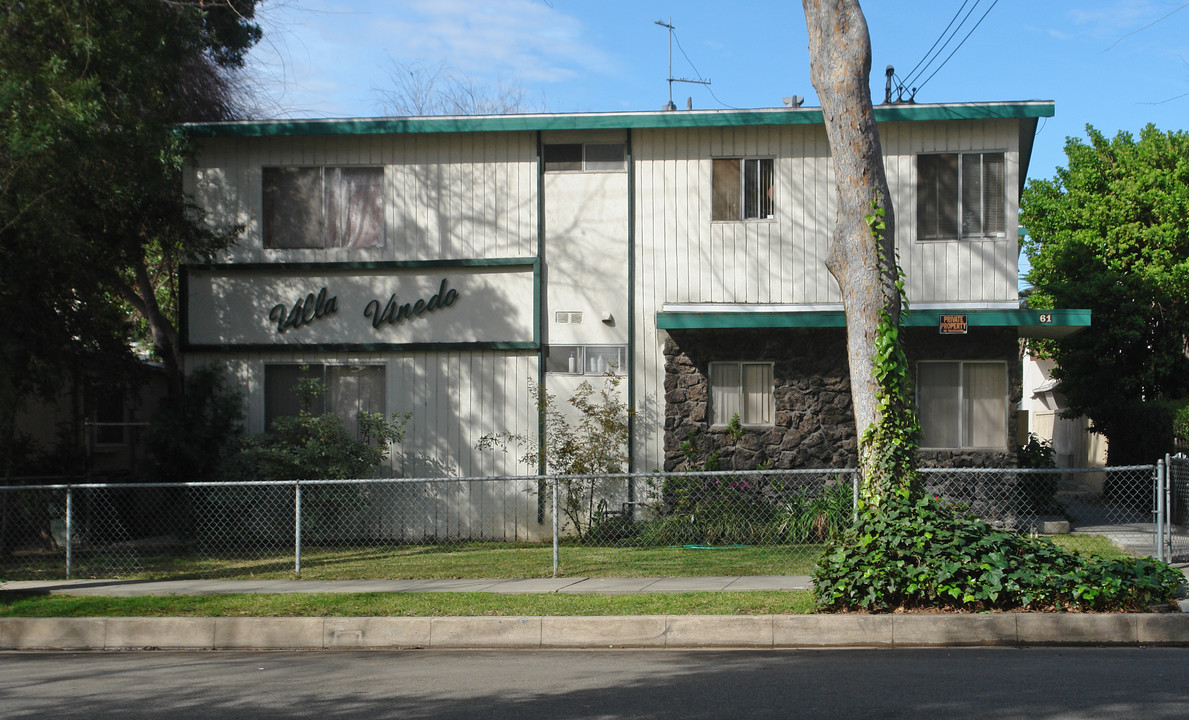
(963, 404)
(323, 207)
(742, 188)
(741, 388)
(960, 195)
(349, 390)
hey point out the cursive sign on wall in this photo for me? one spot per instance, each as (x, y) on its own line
(304, 311)
(394, 312)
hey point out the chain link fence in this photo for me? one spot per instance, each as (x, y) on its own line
(1177, 509)
(763, 522)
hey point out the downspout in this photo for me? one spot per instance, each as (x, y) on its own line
(538, 327)
(631, 318)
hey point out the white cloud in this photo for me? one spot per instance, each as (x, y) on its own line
(526, 41)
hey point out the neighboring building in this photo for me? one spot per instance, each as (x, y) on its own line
(93, 427)
(1074, 446)
(441, 265)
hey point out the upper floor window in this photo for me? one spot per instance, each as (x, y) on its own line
(743, 188)
(960, 195)
(323, 207)
(963, 404)
(588, 157)
(744, 389)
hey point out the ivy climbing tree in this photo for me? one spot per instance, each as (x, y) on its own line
(862, 256)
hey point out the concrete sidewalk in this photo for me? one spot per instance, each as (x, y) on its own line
(716, 631)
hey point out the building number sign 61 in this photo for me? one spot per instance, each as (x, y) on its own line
(1046, 318)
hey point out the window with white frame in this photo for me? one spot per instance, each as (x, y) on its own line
(960, 196)
(744, 389)
(585, 157)
(742, 188)
(347, 391)
(586, 359)
(962, 404)
(323, 207)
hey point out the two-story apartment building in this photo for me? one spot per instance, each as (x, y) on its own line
(441, 266)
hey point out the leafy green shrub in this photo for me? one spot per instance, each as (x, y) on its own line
(312, 447)
(1038, 491)
(1036, 453)
(804, 517)
(597, 443)
(916, 553)
(1180, 423)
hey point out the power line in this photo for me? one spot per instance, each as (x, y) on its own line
(943, 32)
(1145, 27)
(947, 59)
(913, 77)
(698, 72)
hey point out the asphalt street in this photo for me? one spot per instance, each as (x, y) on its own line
(1033, 683)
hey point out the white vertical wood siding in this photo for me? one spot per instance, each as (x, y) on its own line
(456, 397)
(448, 196)
(684, 257)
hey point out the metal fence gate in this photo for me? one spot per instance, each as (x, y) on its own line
(1172, 509)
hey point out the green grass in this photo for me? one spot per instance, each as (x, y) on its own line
(14, 604)
(1090, 545)
(461, 560)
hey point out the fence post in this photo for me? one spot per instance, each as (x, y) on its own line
(69, 529)
(1166, 538)
(1160, 481)
(297, 528)
(854, 496)
(554, 527)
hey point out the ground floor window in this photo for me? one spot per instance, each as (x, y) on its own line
(963, 404)
(586, 359)
(741, 388)
(348, 391)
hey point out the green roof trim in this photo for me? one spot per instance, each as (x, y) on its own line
(603, 121)
(1022, 318)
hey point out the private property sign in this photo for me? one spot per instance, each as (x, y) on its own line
(951, 324)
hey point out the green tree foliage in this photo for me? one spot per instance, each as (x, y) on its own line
(1109, 233)
(93, 220)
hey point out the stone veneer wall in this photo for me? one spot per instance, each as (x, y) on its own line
(814, 424)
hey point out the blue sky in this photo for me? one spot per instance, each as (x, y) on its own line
(1115, 64)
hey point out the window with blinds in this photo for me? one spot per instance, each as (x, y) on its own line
(347, 390)
(963, 404)
(743, 389)
(323, 207)
(960, 196)
(742, 189)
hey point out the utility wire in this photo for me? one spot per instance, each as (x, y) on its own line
(913, 78)
(943, 32)
(699, 72)
(947, 59)
(1145, 27)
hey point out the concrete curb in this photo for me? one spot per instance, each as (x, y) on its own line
(638, 631)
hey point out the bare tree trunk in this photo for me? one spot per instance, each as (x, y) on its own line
(863, 263)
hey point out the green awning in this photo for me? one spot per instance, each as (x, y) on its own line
(1031, 323)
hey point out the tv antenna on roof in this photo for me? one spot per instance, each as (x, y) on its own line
(671, 79)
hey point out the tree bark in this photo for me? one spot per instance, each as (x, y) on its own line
(840, 66)
(165, 335)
